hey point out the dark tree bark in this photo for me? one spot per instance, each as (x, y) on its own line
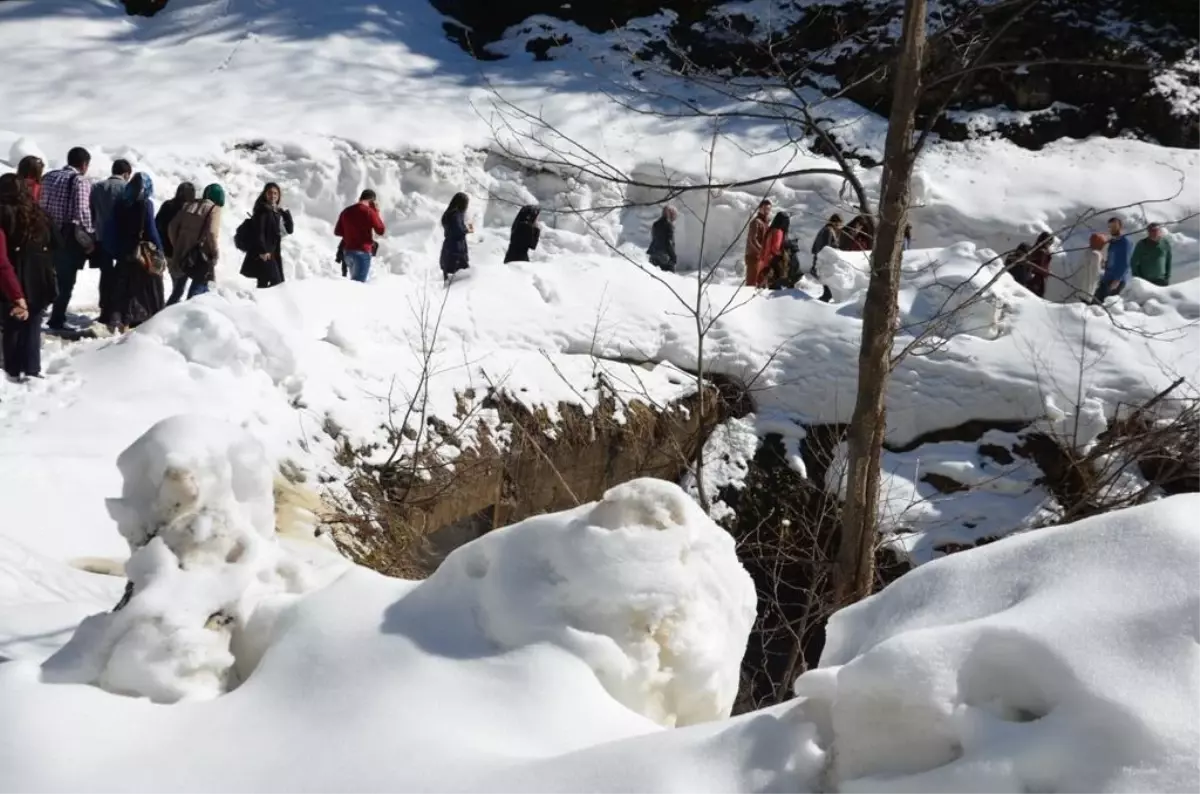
(855, 561)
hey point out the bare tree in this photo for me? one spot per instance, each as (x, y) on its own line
(855, 576)
(788, 100)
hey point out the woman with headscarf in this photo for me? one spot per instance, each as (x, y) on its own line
(526, 231)
(31, 169)
(185, 193)
(455, 256)
(269, 224)
(194, 234)
(27, 282)
(138, 294)
(771, 264)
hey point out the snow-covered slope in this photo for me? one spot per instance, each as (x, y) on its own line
(1025, 667)
(547, 656)
(422, 686)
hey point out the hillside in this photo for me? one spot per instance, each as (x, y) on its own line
(206, 470)
(1064, 68)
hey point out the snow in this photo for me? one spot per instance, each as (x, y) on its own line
(198, 511)
(552, 655)
(1018, 667)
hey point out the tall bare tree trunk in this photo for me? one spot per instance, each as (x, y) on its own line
(855, 562)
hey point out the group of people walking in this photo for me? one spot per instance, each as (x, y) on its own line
(525, 234)
(54, 224)
(772, 257)
(1095, 273)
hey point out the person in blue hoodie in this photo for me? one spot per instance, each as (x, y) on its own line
(1116, 266)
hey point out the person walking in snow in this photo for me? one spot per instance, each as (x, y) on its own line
(756, 237)
(184, 193)
(830, 236)
(194, 238)
(66, 198)
(357, 226)
(1151, 258)
(268, 225)
(772, 259)
(1074, 278)
(133, 237)
(526, 232)
(907, 236)
(859, 234)
(1116, 265)
(455, 256)
(1039, 259)
(1016, 264)
(27, 281)
(662, 240)
(30, 169)
(105, 195)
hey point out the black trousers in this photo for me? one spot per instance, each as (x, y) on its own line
(104, 262)
(22, 344)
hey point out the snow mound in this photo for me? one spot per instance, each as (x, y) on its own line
(1062, 660)
(642, 585)
(197, 510)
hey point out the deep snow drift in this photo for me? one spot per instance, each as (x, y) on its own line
(548, 655)
(1022, 667)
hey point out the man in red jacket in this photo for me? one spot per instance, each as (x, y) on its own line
(357, 226)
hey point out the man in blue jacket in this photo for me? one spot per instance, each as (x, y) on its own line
(1116, 267)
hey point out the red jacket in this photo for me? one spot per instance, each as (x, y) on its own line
(355, 226)
(35, 189)
(10, 287)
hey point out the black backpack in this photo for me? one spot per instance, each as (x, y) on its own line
(243, 238)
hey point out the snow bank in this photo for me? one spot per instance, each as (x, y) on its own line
(595, 624)
(197, 510)
(642, 585)
(1062, 660)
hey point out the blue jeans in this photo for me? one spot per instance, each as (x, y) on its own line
(1103, 291)
(179, 284)
(359, 263)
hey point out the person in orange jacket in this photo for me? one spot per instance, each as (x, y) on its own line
(756, 236)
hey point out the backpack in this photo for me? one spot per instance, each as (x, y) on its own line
(197, 262)
(779, 267)
(243, 238)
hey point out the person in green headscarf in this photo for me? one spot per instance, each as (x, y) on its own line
(195, 242)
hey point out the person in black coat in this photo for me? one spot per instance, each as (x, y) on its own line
(455, 256)
(270, 224)
(526, 231)
(30, 239)
(662, 241)
(137, 292)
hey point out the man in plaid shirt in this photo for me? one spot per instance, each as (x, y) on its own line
(66, 198)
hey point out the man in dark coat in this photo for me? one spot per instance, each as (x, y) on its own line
(662, 241)
(104, 196)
